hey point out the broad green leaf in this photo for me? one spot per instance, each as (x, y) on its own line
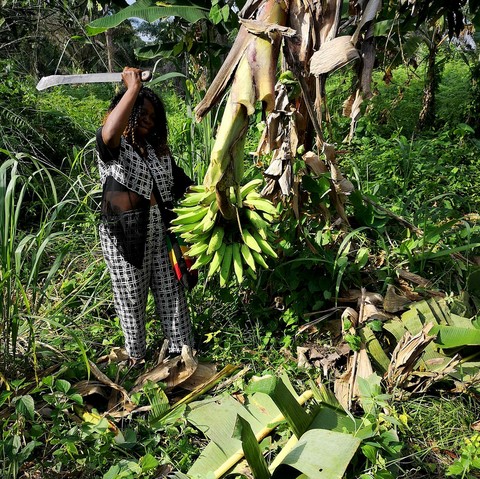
(362, 257)
(396, 328)
(414, 320)
(461, 322)
(144, 10)
(4, 395)
(374, 347)
(296, 416)
(334, 419)
(62, 386)
(319, 454)
(216, 418)
(148, 462)
(251, 449)
(453, 337)
(370, 452)
(25, 406)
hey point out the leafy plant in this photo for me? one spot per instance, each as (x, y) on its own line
(469, 459)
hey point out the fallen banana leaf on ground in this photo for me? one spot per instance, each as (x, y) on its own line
(235, 429)
(216, 418)
(103, 378)
(455, 337)
(319, 454)
(202, 375)
(419, 361)
(174, 371)
(253, 454)
(405, 357)
(345, 387)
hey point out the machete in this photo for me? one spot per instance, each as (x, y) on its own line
(53, 80)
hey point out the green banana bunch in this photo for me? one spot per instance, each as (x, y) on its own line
(227, 249)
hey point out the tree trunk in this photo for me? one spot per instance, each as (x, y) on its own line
(427, 113)
(109, 47)
(473, 118)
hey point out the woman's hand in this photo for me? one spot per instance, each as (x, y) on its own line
(132, 78)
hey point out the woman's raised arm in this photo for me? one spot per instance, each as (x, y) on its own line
(117, 120)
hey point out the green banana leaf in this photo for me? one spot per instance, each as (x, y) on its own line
(251, 449)
(148, 11)
(297, 417)
(234, 430)
(319, 454)
(453, 337)
(216, 418)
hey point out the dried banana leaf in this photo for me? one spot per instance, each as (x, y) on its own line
(333, 55)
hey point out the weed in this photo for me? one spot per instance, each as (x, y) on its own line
(439, 429)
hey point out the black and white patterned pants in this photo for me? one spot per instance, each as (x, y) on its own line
(131, 285)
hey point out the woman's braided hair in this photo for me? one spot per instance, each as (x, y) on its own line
(158, 136)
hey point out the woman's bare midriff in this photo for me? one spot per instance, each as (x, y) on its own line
(126, 200)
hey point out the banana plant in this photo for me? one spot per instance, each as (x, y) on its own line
(250, 71)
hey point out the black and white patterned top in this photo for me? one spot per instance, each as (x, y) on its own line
(129, 169)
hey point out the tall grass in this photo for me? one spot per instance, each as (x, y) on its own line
(26, 263)
(49, 270)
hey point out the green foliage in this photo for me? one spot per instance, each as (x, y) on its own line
(469, 460)
(148, 11)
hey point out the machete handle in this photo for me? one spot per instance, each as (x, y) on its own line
(146, 75)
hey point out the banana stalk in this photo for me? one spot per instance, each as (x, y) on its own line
(254, 80)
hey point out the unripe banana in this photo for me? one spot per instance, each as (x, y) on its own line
(193, 238)
(250, 241)
(183, 210)
(208, 221)
(197, 188)
(237, 262)
(268, 217)
(264, 245)
(257, 222)
(201, 260)
(259, 259)
(248, 257)
(197, 249)
(203, 198)
(187, 228)
(216, 261)
(249, 187)
(251, 273)
(210, 217)
(260, 203)
(215, 239)
(226, 265)
(189, 217)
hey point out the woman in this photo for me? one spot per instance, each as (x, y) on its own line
(135, 163)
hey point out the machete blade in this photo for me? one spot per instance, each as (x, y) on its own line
(54, 80)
